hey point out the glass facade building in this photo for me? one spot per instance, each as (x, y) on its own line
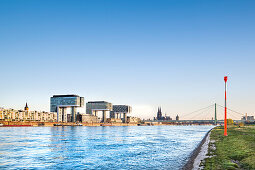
(59, 103)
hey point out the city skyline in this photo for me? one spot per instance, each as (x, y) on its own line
(146, 54)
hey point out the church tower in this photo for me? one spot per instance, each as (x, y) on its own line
(26, 107)
(159, 114)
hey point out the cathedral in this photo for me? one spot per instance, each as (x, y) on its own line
(159, 114)
(161, 117)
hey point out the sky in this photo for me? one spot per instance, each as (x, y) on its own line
(144, 53)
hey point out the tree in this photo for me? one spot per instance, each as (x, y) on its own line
(241, 124)
(230, 122)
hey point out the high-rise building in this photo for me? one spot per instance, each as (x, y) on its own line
(93, 107)
(60, 103)
(120, 112)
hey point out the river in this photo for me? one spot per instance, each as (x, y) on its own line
(123, 147)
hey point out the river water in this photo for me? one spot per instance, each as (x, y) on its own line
(132, 147)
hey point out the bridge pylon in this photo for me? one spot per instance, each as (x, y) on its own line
(215, 114)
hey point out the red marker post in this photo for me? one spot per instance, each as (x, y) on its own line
(225, 120)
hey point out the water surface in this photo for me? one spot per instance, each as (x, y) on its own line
(133, 147)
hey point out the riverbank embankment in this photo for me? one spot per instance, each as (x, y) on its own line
(216, 151)
(198, 154)
(235, 151)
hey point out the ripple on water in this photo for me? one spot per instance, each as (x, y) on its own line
(155, 147)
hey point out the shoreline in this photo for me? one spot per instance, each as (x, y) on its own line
(47, 124)
(194, 159)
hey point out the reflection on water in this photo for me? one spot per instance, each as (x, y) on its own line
(134, 147)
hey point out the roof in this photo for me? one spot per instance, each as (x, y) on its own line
(67, 95)
(98, 102)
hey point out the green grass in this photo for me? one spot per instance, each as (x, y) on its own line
(235, 151)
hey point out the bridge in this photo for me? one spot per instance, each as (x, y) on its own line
(212, 114)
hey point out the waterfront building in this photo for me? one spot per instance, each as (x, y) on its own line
(1, 113)
(93, 107)
(120, 112)
(88, 118)
(113, 120)
(26, 115)
(60, 103)
(177, 117)
(133, 119)
(248, 118)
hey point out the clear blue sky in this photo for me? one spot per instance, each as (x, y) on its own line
(168, 53)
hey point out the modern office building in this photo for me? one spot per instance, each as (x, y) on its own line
(60, 103)
(93, 107)
(120, 112)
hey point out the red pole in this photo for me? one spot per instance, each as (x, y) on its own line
(225, 120)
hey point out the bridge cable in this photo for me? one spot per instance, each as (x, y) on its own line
(231, 110)
(198, 111)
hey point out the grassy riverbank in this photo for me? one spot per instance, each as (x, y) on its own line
(236, 151)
